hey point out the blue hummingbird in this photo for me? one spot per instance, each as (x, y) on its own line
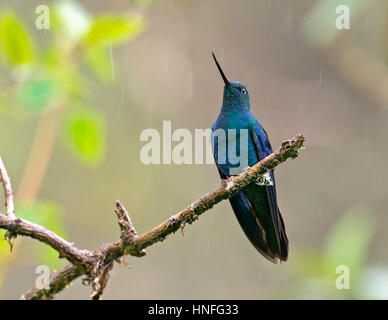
(255, 205)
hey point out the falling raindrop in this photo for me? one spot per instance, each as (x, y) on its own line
(171, 5)
(111, 60)
(367, 162)
(320, 212)
(190, 85)
(289, 15)
(366, 24)
(166, 56)
(320, 78)
(347, 105)
(208, 246)
(121, 102)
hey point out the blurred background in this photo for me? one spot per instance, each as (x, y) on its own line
(75, 97)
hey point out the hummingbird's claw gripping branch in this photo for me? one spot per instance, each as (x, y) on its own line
(97, 264)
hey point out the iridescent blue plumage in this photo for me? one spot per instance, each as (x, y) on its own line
(255, 206)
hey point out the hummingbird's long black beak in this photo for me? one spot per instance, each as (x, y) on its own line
(227, 83)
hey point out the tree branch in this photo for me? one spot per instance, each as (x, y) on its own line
(7, 190)
(81, 258)
(128, 231)
(58, 281)
(97, 264)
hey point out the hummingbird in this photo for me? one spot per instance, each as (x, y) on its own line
(255, 205)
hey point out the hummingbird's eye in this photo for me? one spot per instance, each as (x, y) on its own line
(243, 91)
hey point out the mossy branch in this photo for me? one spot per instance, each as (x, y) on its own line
(96, 264)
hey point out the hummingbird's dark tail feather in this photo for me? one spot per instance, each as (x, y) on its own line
(261, 221)
(283, 239)
(263, 199)
(247, 217)
(274, 221)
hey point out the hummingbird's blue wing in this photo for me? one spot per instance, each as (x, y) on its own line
(255, 205)
(220, 159)
(269, 212)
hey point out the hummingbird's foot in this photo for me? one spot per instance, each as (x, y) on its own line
(246, 168)
(224, 182)
(265, 180)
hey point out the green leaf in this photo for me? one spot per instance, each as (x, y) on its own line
(4, 246)
(16, 44)
(348, 241)
(36, 95)
(50, 216)
(85, 135)
(69, 81)
(100, 62)
(113, 29)
(5, 252)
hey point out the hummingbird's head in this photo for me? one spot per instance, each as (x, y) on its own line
(235, 93)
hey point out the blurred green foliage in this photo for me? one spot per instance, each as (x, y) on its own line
(49, 215)
(85, 135)
(114, 30)
(36, 95)
(321, 31)
(16, 42)
(55, 78)
(346, 244)
(4, 255)
(57, 74)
